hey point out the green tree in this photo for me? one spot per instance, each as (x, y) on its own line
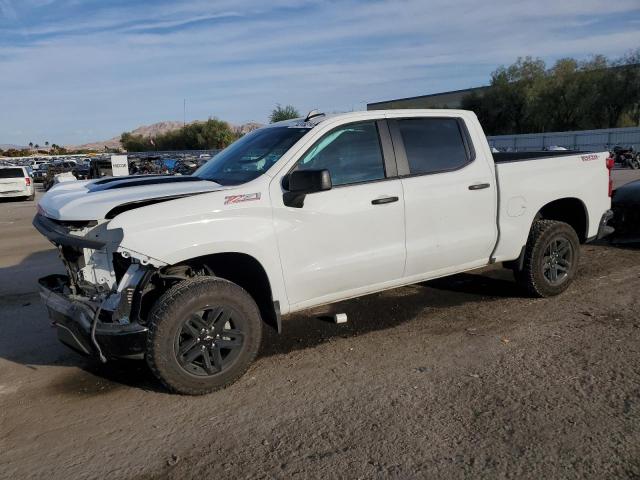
(511, 97)
(12, 152)
(135, 143)
(632, 77)
(208, 135)
(558, 102)
(474, 102)
(281, 113)
(525, 97)
(617, 91)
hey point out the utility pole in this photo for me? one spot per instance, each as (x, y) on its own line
(184, 112)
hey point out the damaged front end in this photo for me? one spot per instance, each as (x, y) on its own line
(96, 306)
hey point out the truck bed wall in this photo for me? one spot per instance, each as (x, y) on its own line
(503, 157)
(526, 186)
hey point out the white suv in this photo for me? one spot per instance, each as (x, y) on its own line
(16, 182)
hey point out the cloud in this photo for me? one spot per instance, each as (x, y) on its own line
(174, 24)
(7, 11)
(114, 65)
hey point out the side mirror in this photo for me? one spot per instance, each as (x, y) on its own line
(300, 183)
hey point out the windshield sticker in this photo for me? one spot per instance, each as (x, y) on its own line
(302, 124)
(249, 197)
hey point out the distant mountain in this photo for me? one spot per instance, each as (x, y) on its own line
(246, 127)
(153, 130)
(157, 128)
(7, 146)
(145, 130)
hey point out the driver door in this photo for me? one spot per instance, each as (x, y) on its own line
(344, 241)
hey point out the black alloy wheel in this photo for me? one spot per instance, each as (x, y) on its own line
(209, 340)
(557, 260)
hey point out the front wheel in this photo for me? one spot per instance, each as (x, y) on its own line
(551, 258)
(203, 335)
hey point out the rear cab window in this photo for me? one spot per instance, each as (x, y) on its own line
(12, 173)
(432, 145)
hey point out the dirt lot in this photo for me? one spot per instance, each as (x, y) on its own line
(460, 377)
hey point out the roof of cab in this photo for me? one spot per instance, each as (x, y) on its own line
(363, 115)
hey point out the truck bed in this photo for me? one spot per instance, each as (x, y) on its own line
(526, 182)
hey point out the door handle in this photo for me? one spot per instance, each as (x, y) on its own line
(383, 200)
(479, 186)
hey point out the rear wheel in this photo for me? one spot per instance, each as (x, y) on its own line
(203, 335)
(551, 258)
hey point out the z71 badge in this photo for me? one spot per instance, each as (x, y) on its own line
(248, 197)
(588, 158)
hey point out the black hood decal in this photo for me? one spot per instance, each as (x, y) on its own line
(139, 181)
(125, 207)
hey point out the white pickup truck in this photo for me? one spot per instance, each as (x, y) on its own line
(186, 270)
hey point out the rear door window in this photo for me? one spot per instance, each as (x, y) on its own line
(11, 173)
(433, 145)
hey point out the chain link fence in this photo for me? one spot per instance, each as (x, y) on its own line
(586, 140)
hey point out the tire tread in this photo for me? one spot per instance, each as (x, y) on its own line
(526, 277)
(159, 314)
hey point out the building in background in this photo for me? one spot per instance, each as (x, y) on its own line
(584, 140)
(452, 99)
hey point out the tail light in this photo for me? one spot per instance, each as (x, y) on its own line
(27, 181)
(610, 163)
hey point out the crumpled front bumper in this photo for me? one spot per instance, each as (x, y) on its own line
(73, 319)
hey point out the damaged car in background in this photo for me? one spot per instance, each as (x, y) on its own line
(626, 213)
(184, 271)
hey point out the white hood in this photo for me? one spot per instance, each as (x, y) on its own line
(93, 199)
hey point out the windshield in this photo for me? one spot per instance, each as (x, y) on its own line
(251, 156)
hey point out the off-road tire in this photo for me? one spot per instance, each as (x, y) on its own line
(166, 320)
(532, 278)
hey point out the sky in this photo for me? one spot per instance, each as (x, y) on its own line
(73, 71)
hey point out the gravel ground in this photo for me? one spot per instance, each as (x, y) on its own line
(460, 377)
